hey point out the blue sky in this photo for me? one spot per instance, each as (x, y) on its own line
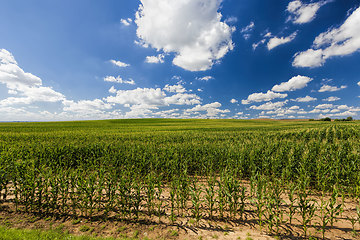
(74, 60)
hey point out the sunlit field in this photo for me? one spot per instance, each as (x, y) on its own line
(290, 179)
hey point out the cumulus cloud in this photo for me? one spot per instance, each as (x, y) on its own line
(331, 99)
(206, 78)
(358, 84)
(301, 13)
(269, 106)
(212, 109)
(263, 97)
(155, 59)
(138, 96)
(233, 101)
(193, 30)
(119, 79)
(276, 41)
(119, 63)
(328, 88)
(304, 99)
(86, 106)
(340, 41)
(175, 88)
(154, 97)
(324, 106)
(295, 83)
(126, 22)
(26, 86)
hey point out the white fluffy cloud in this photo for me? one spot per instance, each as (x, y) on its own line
(212, 109)
(26, 86)
(295, 83)
(175, 88)
(206, 78)
(233, 101)
(86, 106)
(304, 99)
(340, 41)
(328, 88)
(155, 59)
(331, 99)
(269, 106)
(358, 84)
(324, 106)
(119, 63)
(263, 97)
(154, 97)
(193, 30)
(119, 79)
(138, 96)
(126, 22)
(276, 41)
(301, 13)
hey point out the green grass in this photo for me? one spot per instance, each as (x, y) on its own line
(20, 234)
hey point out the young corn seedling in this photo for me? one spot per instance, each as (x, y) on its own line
(221, 198)
(323, 216)
(159, 200)
(307, 210)
(150, 193)
(110, 193)
(292, 198)
(334, 209)
(277, 190)
(269, 213)
(137, 198)
(173, 190)
(210, 195)
(183, 191)
(233, 194)
(242, 202)
(353, 221)
(260, 199)
(64, 192)
(73, 193)
(195, 193)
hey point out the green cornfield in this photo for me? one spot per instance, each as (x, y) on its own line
(277, 173)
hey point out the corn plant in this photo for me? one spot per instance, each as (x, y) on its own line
(137, 198)
(159, 200)
(221, 195)
(150, 193)
(260, 199)
(195, 192)
(242, 202)
(323, 216)
(173, 191)
(210, 195)
(307, 210)
(334, 209)
(292, 198)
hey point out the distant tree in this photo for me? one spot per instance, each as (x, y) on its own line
(327, 119)
(349, 119)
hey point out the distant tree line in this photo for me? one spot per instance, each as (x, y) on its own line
(327, 119)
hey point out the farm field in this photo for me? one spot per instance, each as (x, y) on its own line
(183, 179)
